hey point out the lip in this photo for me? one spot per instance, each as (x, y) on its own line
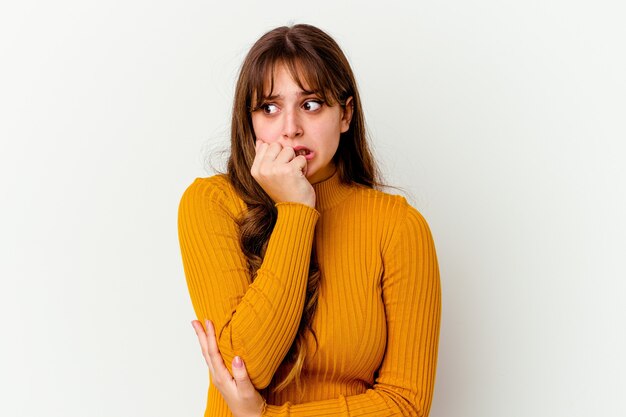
(308, 156)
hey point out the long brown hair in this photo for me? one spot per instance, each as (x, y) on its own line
(314, 57)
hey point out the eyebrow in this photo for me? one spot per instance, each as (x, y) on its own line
(299, 94)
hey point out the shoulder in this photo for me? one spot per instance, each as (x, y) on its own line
(210, 192)
(382, 203)
(401, 219)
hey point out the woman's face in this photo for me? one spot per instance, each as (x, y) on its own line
(293, 117)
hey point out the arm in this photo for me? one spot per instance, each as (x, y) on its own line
(412, 298)
(257, 321)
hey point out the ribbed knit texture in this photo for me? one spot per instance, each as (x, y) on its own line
(377, 320)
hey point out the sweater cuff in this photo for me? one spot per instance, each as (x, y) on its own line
(275, 411)
(293, 233)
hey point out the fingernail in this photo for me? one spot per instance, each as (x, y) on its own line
(237, 362)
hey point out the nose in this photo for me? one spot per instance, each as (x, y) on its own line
(292, 126)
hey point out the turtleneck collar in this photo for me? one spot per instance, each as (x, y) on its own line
(330, 192)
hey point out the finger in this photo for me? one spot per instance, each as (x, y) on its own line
(216, 378)
(204, 343)
(273, 149)
(242, 379)
(285, 155)
(221, 371)
(300, 163)
(258, 143)
(201, 336)
(260, 150)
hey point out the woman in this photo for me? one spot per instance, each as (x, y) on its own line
(326, 288)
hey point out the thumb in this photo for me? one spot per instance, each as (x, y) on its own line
(240, 375)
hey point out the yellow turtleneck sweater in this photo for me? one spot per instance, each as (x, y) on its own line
(377, 318)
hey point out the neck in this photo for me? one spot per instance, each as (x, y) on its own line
(330, 191)
(327, 172)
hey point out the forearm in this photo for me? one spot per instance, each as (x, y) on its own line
(375, 402)
(257, 321)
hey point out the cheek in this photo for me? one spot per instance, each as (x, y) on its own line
(264, 130)
(328, 135)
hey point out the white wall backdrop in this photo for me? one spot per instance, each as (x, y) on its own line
(503, 120)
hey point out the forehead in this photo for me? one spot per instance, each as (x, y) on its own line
(309, 75)
(283, 74)
(283, 82)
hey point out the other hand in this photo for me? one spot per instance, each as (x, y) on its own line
(241, 396)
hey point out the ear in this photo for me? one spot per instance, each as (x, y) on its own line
(346, 117)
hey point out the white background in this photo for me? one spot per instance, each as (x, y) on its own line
(504, 121)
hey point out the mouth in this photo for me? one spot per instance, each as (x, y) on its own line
(306, 152)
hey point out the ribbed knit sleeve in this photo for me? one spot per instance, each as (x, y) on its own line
(255, 320)
(412, 299)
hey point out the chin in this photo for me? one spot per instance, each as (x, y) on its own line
(310, 172)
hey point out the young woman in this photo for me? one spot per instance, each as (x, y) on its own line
(320, 292)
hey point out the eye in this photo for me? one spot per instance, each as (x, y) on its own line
(269, 108)
(312, 105)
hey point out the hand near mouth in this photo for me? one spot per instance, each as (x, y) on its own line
(282, 173)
